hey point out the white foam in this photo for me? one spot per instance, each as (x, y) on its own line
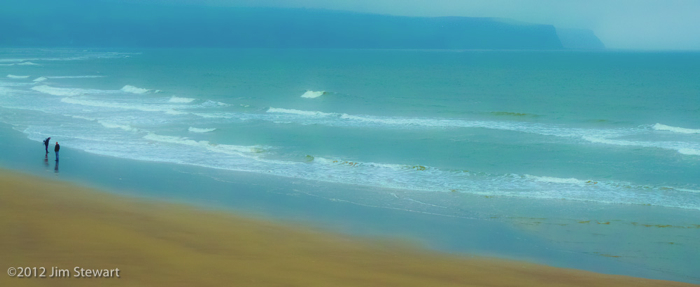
(138, 107)
(14, 84)
(40, 79)
(410, 122)
(220, 148)
(222, 115)
(313, 94)
(175, 140)
(86, 56)
(199, 130)
(661, 127)
(74, 77)
(82, 118)
(680, 147)
(688, 190)
(175, 99)
(174, 112)
(300, 112)
(602, 136)
(210, 103)
(183, 150)
(63, 92)
(609, 141)
(28, 64)
(17, 77)
(118, 126)
(689, 151)
(134, 90)
(549, 179)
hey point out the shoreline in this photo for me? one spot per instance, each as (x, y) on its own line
(521, 234)
(55, 223)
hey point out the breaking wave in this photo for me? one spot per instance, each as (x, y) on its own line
(689, 151)
(680, 147)
(175, 99)
(220, 148)
(135, 90)
(661, 127)
(313, 94)
(75, 77)
(65, 92)
(17, 77)
(138, 107)
(27, 64)
(299, 112)
(118, 126)
(200, 130)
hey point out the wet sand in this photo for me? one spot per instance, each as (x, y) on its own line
(45, 223)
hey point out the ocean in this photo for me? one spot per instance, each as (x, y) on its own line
(598, 153)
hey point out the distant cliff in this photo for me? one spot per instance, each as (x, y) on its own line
(83, 23)
(579, 39)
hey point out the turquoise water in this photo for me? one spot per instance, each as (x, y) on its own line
(543, 141)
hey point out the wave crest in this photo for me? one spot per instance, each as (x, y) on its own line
(313, 94)
(27, 64)
(299, 112)
(118, 126)
(662, 127)
(179, 100)
(17, 77)
(200, 130)
(63, 92)
(220, 148)
(135, 90)
(549, 179)
(689, 151)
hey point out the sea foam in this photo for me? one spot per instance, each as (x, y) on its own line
(299, 112)
(63, 92)
(220, 148)
(134, 90)
(661, 127)
(40, 79)
(200, 130)
(75, 77)
(27, 64)
(549, 179)
(689, 151)
(313, 94)
(118, 126)
(680, 147)
(175, 99)
(114, 105)
(17, 77)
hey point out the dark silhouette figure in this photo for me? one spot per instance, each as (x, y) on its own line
(56, 148)
(46, 144)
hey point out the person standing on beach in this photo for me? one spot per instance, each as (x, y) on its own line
(46, 144)
(58, 147)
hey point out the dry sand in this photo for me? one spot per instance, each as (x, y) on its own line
(50, 223)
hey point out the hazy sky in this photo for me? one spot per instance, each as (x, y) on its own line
(620, 24)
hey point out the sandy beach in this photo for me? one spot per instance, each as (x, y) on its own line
(59, 225)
